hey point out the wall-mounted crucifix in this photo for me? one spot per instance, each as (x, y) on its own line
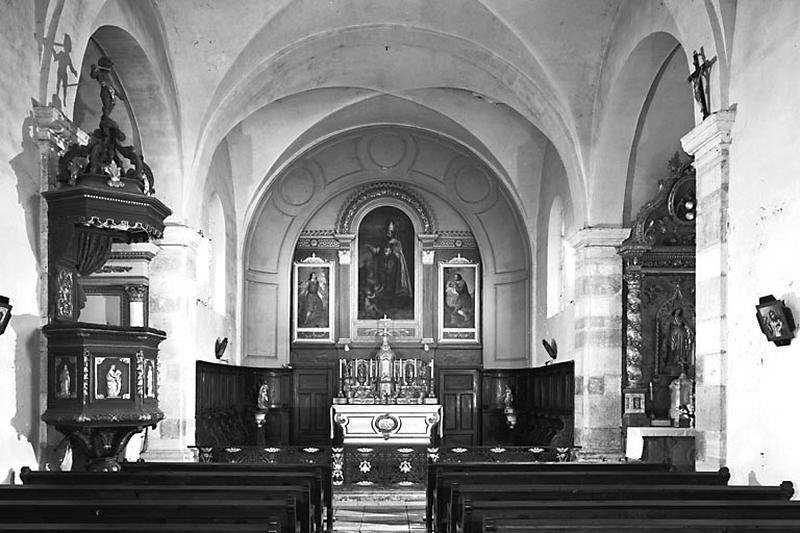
(700, 80)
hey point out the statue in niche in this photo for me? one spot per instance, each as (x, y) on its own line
(677, 342)
(149, 391)
(64, 382)
(113, 382)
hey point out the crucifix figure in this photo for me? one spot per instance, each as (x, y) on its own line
(700, 80)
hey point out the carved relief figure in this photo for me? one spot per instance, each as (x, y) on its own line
(113, 382)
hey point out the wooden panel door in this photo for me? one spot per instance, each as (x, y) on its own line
(459, 390)
(313, 393)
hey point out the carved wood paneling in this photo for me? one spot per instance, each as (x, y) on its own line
(227, 398)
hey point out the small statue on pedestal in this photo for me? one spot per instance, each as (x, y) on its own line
(263, 397)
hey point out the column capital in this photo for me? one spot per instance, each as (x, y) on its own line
(598, 237)
(715, 130)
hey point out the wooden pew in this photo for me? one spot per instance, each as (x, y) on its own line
(436, 470)
(323, 495)
(659, 525)
(277, 515)
(637, 511)
(277, 483)
(466, 496)
(445, 481)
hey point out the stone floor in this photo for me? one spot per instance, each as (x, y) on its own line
(378, 511)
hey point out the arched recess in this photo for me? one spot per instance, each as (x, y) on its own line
(466, 198)
(145, 116)
(645, 86)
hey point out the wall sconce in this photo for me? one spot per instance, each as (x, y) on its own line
(5, 313)
(346, 347)
(426, 347)
(776, 320)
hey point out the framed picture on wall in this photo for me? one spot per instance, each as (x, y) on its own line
(459, 301)
(313, 300)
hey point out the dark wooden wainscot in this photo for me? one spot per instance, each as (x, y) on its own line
(543, 399)
(227, 398)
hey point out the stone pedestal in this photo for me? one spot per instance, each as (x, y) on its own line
(709, 143)
(598, 343)
(173, 308)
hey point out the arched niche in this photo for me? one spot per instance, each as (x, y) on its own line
(303, 210)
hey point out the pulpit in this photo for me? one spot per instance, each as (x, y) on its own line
(386, 399)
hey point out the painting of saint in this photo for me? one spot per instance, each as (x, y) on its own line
(386, 265)
(459, 304)
(312, 298)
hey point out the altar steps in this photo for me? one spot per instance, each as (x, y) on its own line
(378, 510)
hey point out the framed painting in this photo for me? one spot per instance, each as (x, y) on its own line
(386, 265)
(314, 300)
(776, 320)
(459, 301)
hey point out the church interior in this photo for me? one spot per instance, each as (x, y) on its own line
(390, 233)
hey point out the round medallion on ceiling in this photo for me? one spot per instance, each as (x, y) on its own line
(472, 185)
(297, 187)
(387, 150)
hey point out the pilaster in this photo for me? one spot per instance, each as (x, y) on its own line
(709, 143)
(598, 342)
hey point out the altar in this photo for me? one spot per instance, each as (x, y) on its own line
(386, 399)
(392, 424)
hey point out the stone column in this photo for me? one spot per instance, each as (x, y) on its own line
(598, 342)
(709, 143)
(173, 308)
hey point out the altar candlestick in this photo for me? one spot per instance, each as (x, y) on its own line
(651, 391)
(341, 368)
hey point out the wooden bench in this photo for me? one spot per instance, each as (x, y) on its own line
(445, 481)
(659, 525)
(436, 470)
(268, 484)
(468, 496)
(641, 511)
(271, 515)
(323, 494)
